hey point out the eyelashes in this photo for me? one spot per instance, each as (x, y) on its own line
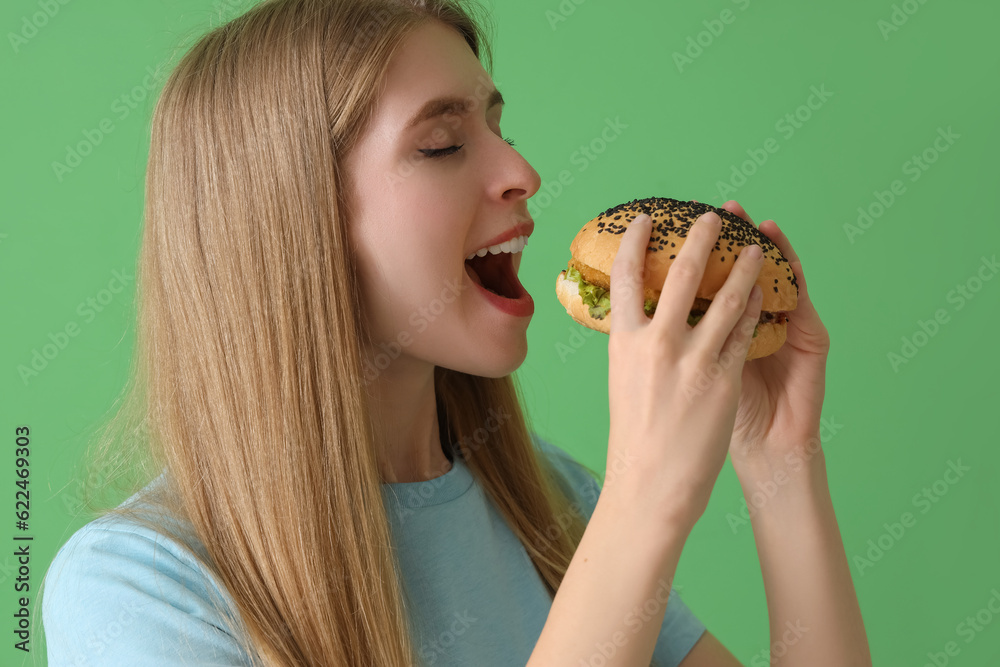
(450, 150)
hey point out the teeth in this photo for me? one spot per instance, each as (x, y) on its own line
(513, 246)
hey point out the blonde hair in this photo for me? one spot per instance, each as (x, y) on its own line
(247, 385)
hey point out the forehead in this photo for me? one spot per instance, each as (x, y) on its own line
(433, 61)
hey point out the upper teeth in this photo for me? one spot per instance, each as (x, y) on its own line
(514, 245)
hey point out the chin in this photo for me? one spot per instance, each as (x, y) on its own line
(507, 369)
(495, 362)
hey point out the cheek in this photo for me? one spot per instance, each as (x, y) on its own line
(410, 237)
(404, 268)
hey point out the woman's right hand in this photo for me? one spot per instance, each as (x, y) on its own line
(674, 388)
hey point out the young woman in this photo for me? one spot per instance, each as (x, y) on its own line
(337, 467)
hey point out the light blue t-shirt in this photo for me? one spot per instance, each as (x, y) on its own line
(118, 593)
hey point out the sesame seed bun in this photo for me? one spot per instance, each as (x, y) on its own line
(595, 246)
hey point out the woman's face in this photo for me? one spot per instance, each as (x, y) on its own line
(418, 217)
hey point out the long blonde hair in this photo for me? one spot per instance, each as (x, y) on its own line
(247, 385)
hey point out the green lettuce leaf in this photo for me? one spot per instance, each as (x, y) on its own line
(599, 302)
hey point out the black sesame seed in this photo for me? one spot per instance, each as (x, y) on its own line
(666, 212)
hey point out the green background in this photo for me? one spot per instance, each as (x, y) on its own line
(566, 70)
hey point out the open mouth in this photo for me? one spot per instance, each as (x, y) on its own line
(496, 274)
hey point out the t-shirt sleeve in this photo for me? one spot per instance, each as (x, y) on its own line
(681, 628)
(118, 593)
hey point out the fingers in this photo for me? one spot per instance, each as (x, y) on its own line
(733, 207)
(771, 230)
(627, 274)
(806, 331)
(741, 338)
(730, 303)
(686, 272)
(779, 239)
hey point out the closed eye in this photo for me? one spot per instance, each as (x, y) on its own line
(444, 152)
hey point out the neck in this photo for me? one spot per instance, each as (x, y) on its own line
(405, 405)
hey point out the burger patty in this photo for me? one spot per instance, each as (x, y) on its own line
(698, 309)
(780, 317)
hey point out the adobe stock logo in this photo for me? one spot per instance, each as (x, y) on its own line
(961, 294)
(577, 337)
(420, 319)
(121, 108)
(753, 501)
(566, 8)
(415, 496)
(30, 25)
(787, 125)
(585, 155)
(924, 500)
(88, 310)
(636, 618)
(900, 14)
(430, 650)
(915, 167)
(696, 45)
(968, 629)
(790, 637)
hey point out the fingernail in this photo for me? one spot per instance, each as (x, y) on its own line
(755, 292)
(642, 217)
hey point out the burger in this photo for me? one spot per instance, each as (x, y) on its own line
(584, 287)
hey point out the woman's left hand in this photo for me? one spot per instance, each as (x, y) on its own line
(782, 394)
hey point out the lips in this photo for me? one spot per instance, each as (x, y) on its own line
(492, 267)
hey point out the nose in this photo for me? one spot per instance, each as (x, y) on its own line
(516, 180)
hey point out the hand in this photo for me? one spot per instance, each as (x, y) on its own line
(782, 394)
(665, 450)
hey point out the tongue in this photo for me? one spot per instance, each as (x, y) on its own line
(496, 274)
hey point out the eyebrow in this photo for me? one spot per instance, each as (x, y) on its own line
(450, 105)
